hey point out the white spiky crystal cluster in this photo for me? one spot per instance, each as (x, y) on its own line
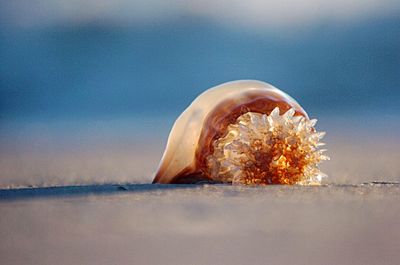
(268, 149)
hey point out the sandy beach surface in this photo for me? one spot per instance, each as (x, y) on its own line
(212, 224)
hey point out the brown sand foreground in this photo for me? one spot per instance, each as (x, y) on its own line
(217, 224)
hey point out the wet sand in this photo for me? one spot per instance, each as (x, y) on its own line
(211, 224)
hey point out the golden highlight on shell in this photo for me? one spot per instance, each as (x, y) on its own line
(243, 132)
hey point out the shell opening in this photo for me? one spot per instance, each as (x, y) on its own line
(265, 149)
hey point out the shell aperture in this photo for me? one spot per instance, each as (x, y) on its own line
(243, 132)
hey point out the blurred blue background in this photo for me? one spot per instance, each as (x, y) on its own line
(67, 60)
(65, 64)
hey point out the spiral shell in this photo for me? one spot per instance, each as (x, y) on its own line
(243, 132)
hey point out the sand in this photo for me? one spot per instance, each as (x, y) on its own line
(212, 224)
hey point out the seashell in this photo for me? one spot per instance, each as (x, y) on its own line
(243, 132)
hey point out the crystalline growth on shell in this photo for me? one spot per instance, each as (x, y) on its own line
(268, 149)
